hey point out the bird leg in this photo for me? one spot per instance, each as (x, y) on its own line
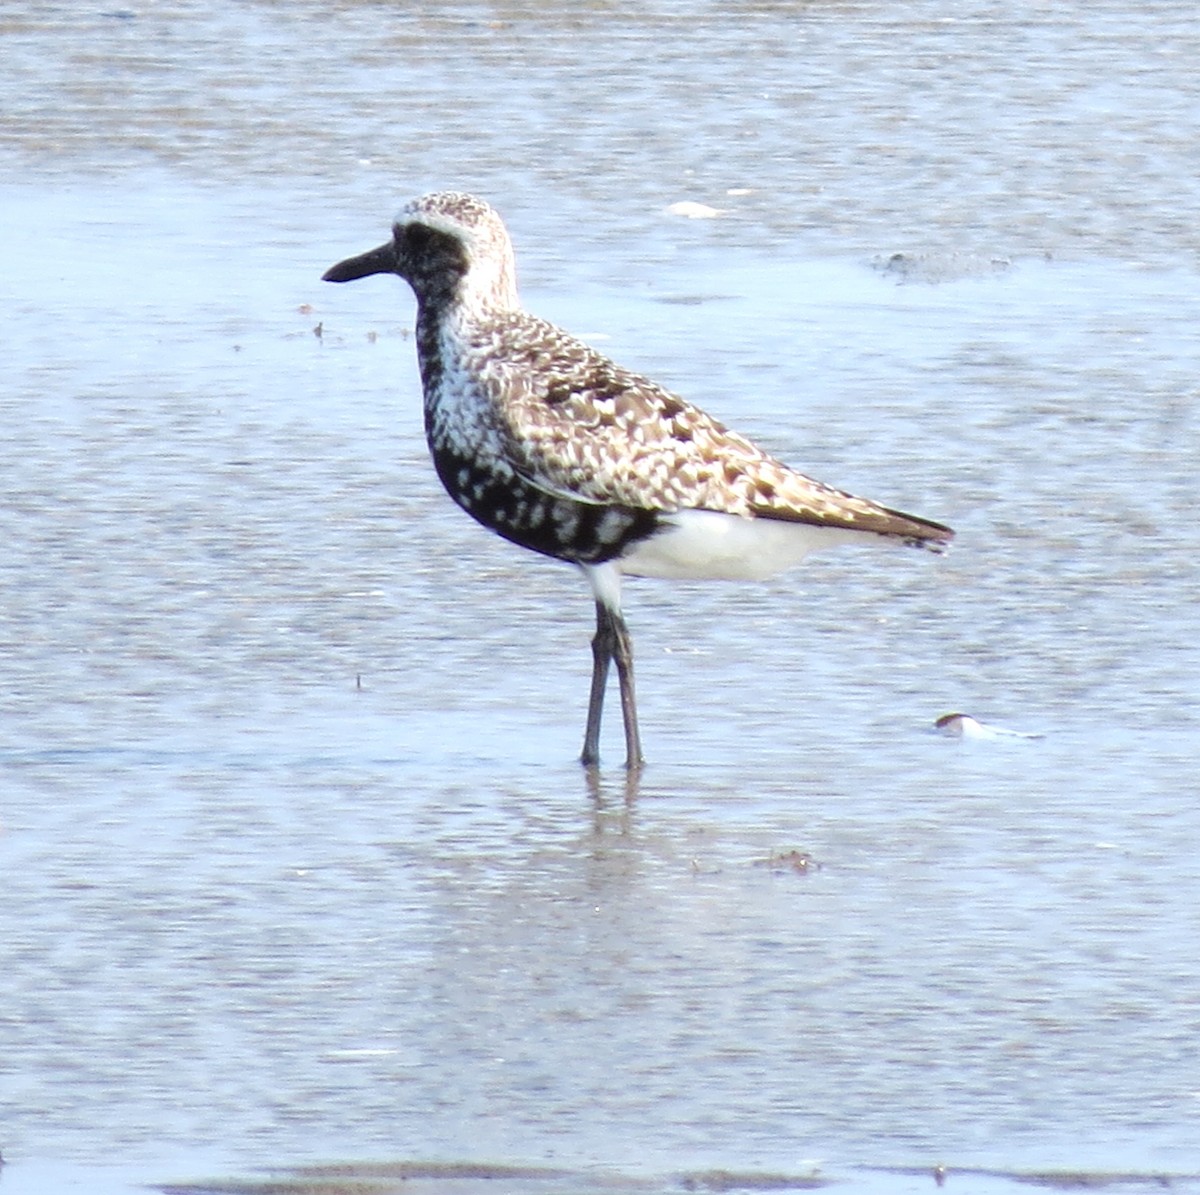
(612, 642)
(602, 653)
(623, 655)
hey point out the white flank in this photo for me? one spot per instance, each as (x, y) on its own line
(704, 544)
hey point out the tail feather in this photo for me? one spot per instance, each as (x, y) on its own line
(849, 513)
(916, 532)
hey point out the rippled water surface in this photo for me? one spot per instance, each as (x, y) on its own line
(297, 864)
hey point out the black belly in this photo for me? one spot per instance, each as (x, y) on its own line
(504, 502)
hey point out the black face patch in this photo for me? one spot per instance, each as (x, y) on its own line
(433, 262)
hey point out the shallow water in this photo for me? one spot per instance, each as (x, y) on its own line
(298, 866)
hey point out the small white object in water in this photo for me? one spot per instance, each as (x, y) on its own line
(963, 726)
(693, 211)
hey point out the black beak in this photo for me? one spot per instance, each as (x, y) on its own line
(376, 261)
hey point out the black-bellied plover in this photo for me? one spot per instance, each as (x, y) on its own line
(555, 447)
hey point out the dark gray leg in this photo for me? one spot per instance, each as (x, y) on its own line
(602, 654)
(623, 655)
(611, 642)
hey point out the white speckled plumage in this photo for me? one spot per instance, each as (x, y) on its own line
(556, 447)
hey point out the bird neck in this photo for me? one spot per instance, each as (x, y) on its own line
(467, 300)
(444, 334)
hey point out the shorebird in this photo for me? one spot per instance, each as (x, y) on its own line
(555, 447)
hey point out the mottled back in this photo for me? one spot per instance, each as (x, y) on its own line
(508, 394)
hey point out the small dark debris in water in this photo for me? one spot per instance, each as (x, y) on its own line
(939, 267)
(800, 861)
(691, 300)
(119, 14)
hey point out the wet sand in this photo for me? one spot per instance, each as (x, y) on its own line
(298, 863)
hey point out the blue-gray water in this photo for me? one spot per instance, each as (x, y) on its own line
(297, 866)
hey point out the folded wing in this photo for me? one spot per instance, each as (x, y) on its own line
(581, 425)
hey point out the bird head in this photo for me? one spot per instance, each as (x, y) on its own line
(449, 247)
